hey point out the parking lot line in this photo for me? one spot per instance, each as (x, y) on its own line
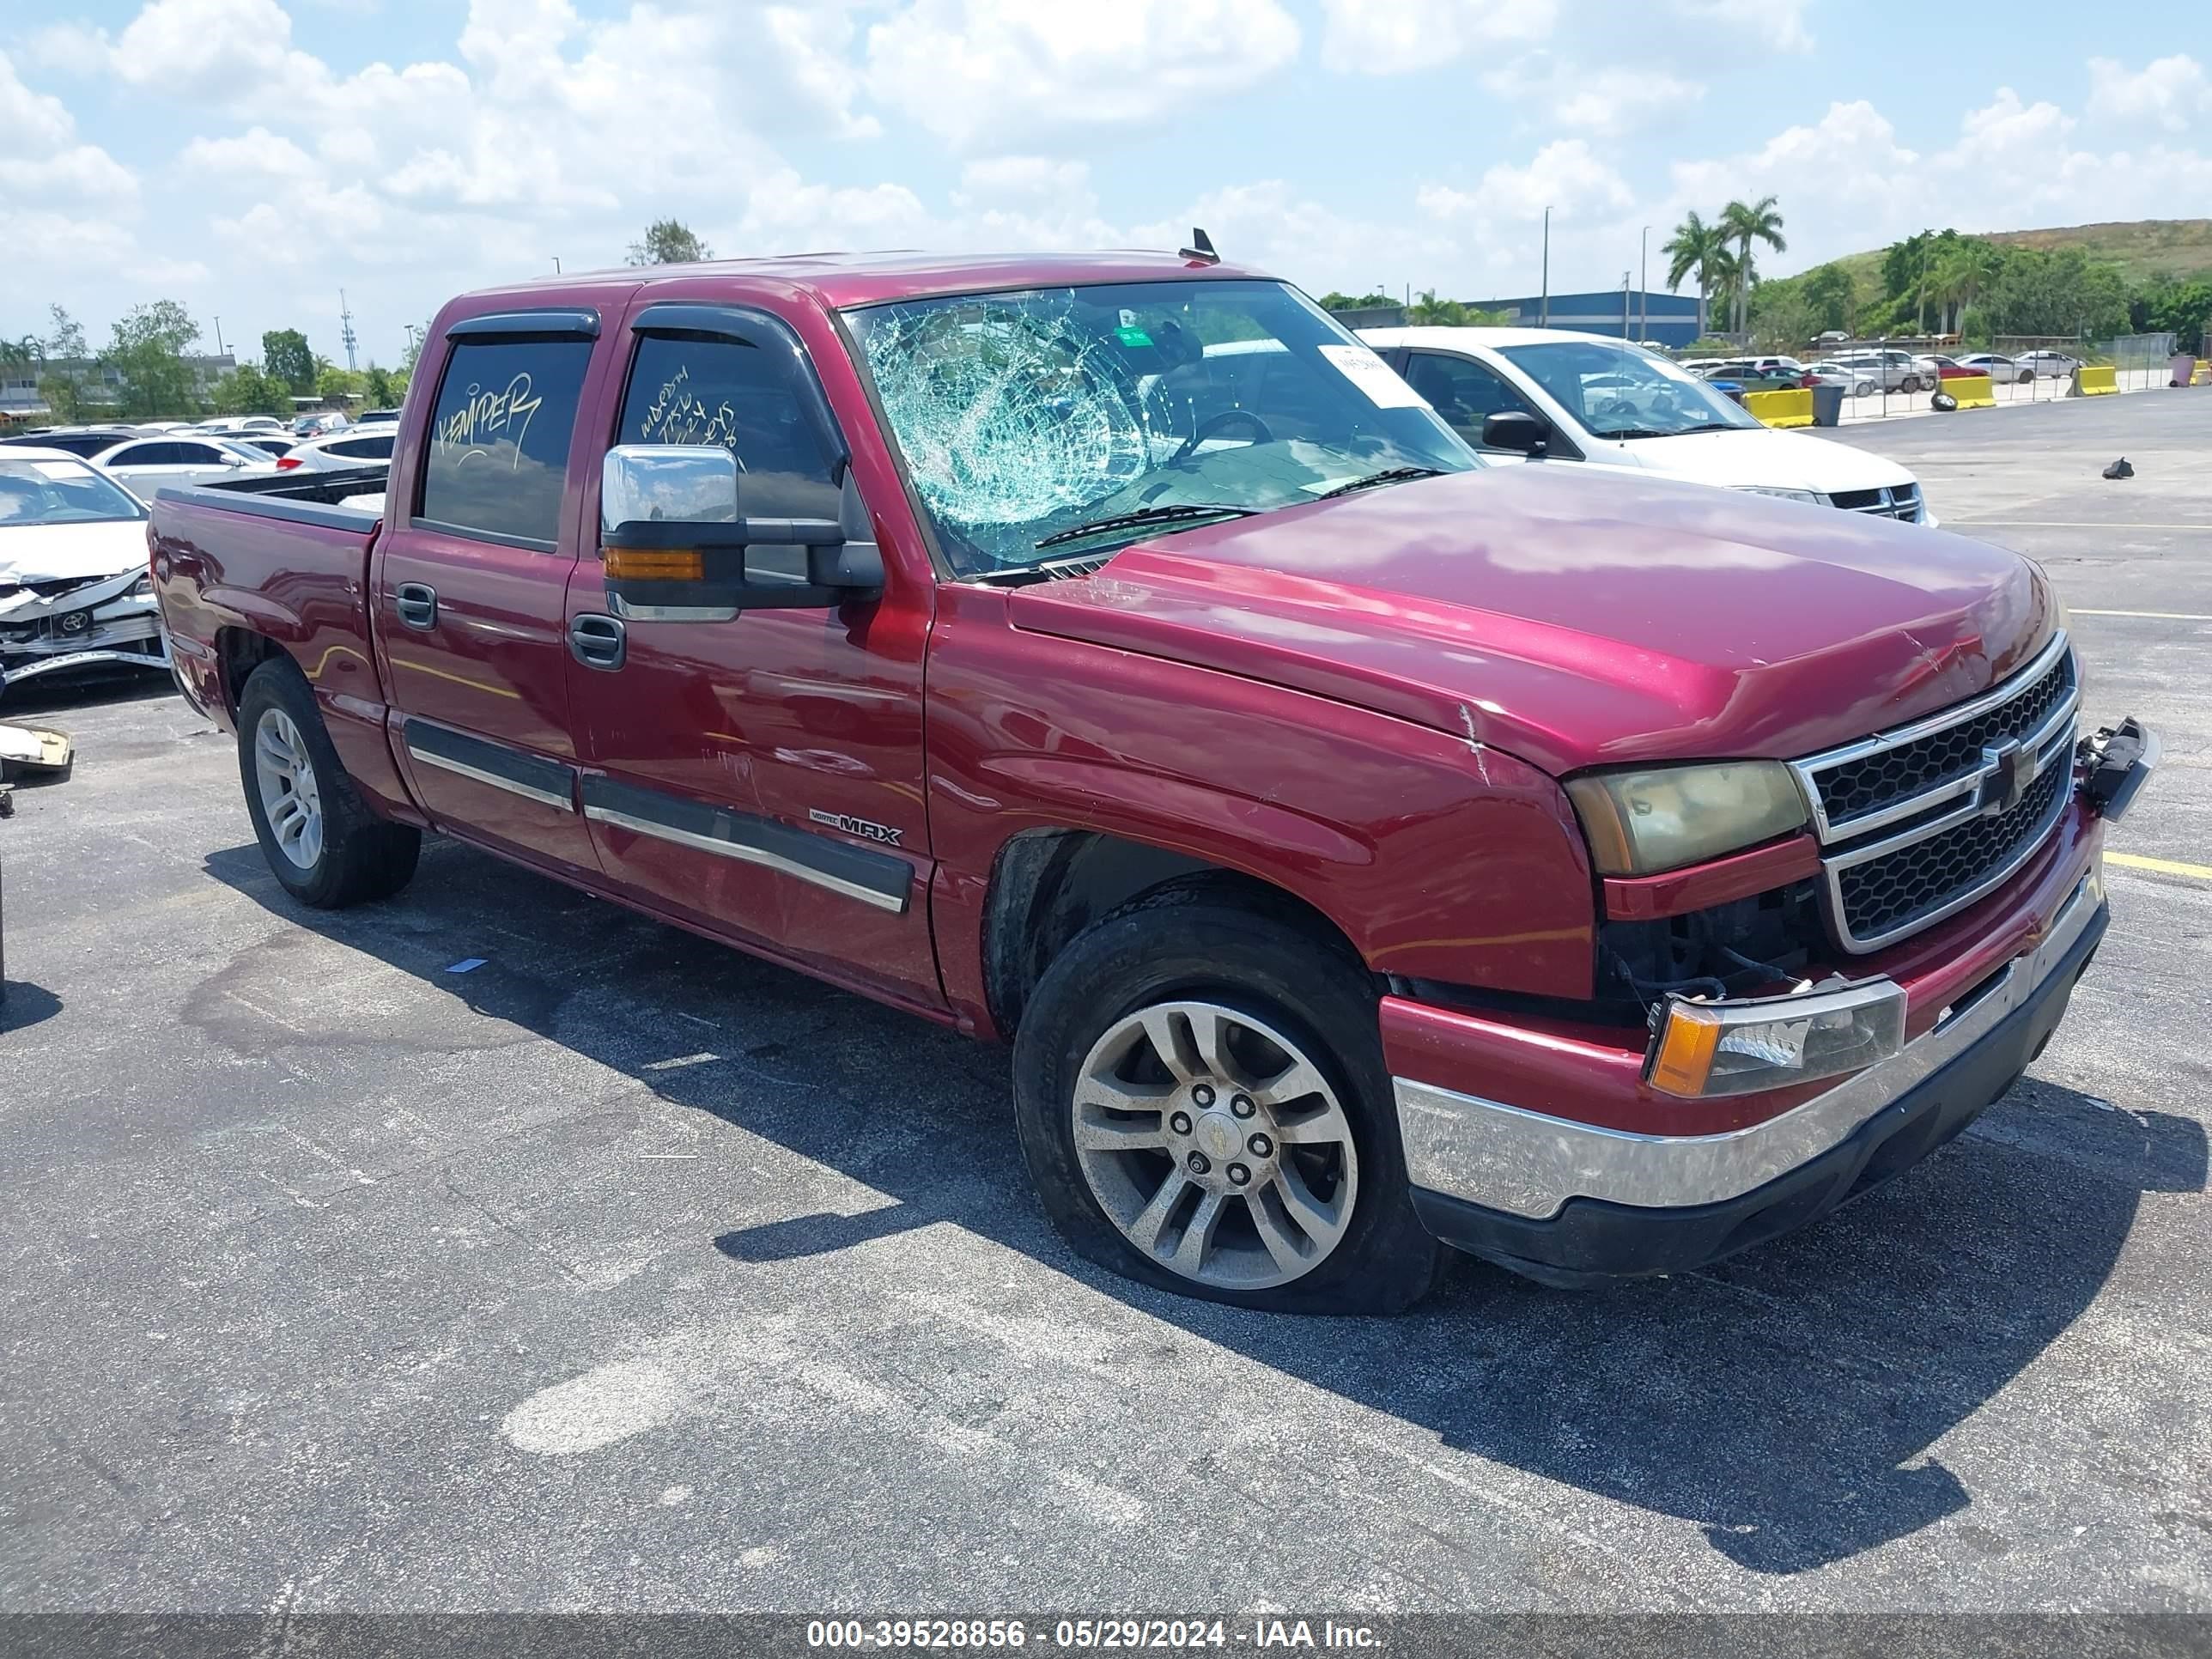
(2154, 616)
(2163, 867)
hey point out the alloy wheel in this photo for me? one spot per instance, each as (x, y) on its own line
(1215, 1145)
(291, 799)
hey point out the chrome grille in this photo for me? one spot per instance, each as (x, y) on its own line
(1917, 823)
(1902, 501)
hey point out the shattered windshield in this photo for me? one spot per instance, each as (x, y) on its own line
(60, 492)
(1028, 419)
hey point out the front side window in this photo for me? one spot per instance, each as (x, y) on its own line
(1024, 417)
(499, 438)
(59, 492)
(687, 389)
(1465, 393)
(1618, 392)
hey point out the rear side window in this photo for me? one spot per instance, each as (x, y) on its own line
(374, 449)
(688, 390)
(499, 438)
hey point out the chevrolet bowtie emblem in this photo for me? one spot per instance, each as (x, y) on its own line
(2010, 771)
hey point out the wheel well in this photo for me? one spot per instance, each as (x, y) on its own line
(1047, 885)
(239, 652)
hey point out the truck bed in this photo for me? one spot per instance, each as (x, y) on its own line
(282, 561)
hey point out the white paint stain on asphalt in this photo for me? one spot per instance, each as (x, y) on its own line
(607, 1403)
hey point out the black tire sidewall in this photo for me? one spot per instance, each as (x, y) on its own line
(278, 683)
(1278, 974)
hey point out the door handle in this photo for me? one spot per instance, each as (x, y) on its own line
(598, 642)
(417, 605)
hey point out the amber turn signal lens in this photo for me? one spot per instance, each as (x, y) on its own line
(655, 564)
(1685, 1059)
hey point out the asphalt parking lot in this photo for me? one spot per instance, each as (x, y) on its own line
(624, 1271)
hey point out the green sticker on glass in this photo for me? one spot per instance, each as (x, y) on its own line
(1131, 336)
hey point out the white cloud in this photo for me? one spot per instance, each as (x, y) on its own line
(41, 159)
(999, 75)
(1396, 37)
(1023, 176)
(1777, 25)
(1601, 102)
(2174, 92)
(1565, 176)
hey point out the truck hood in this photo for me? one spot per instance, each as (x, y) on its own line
(59, 552)
(1574, 616)
(1771, 459)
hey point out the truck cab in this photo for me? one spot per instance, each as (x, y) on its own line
(1363, 846)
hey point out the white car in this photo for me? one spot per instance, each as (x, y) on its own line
(180, 457)
(2001, 369)
(1888, 369)
(241, 426)
(74, 586)
(1856, 383)
(1600, 402)
(2050, 365)
(353, 447)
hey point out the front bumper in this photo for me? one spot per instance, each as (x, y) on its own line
(1639, 1205)
(1633, 1182)
(102, 621)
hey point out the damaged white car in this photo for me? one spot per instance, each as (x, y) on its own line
(73, 587)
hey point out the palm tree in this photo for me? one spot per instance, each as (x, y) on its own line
(1695, 245)
(1727, 278)
(1744, 225)
(1966, 270)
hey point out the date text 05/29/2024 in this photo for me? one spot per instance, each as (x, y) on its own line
(1116, 1634)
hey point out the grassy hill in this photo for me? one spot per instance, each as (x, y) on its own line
(2145, 248)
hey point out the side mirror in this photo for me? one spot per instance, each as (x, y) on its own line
(674, 543)
(1517, 429)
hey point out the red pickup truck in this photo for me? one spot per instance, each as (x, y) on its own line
(1361, 846)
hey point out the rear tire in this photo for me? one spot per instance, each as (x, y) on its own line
(1294, 1199)
(324, 846)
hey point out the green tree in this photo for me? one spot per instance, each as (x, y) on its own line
(1830, 296)
(1695, 248)
(65, 335)
(417, 339)
(380, 387)
(334, 385)
(63, 395)
(284, 353)
(2166, 305)
(1726, 279)
(248, 391)
(147, 351)
(1428, 311)
(1333, 301)
(668, 242)
(2056, 294)
(1744, 223)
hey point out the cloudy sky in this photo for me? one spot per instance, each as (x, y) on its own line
(251, 157)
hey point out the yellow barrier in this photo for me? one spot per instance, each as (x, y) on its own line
(2090, 382)
(1972, 391)
(2203, 375)
(1781, 408)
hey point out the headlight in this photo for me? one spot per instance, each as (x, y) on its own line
(142, 588)
(1660, 817)
(1809, 498)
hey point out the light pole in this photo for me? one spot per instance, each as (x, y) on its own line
(218, 337)
(1544, 304)
(556, 265)
(1644, 291)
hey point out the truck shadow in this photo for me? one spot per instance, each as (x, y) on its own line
(1786, 1402)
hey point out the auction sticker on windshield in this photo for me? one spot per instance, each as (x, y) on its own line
(1384, 386)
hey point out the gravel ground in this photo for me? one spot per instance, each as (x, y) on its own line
(627, 1272)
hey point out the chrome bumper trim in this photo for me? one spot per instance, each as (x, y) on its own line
(1528, 1163)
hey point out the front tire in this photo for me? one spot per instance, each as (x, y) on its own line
(324, 847)
(1204, 1106)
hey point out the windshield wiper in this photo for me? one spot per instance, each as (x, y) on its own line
(1708, 426)
(1634, 432)
(1388, 476)
(1145, 515)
